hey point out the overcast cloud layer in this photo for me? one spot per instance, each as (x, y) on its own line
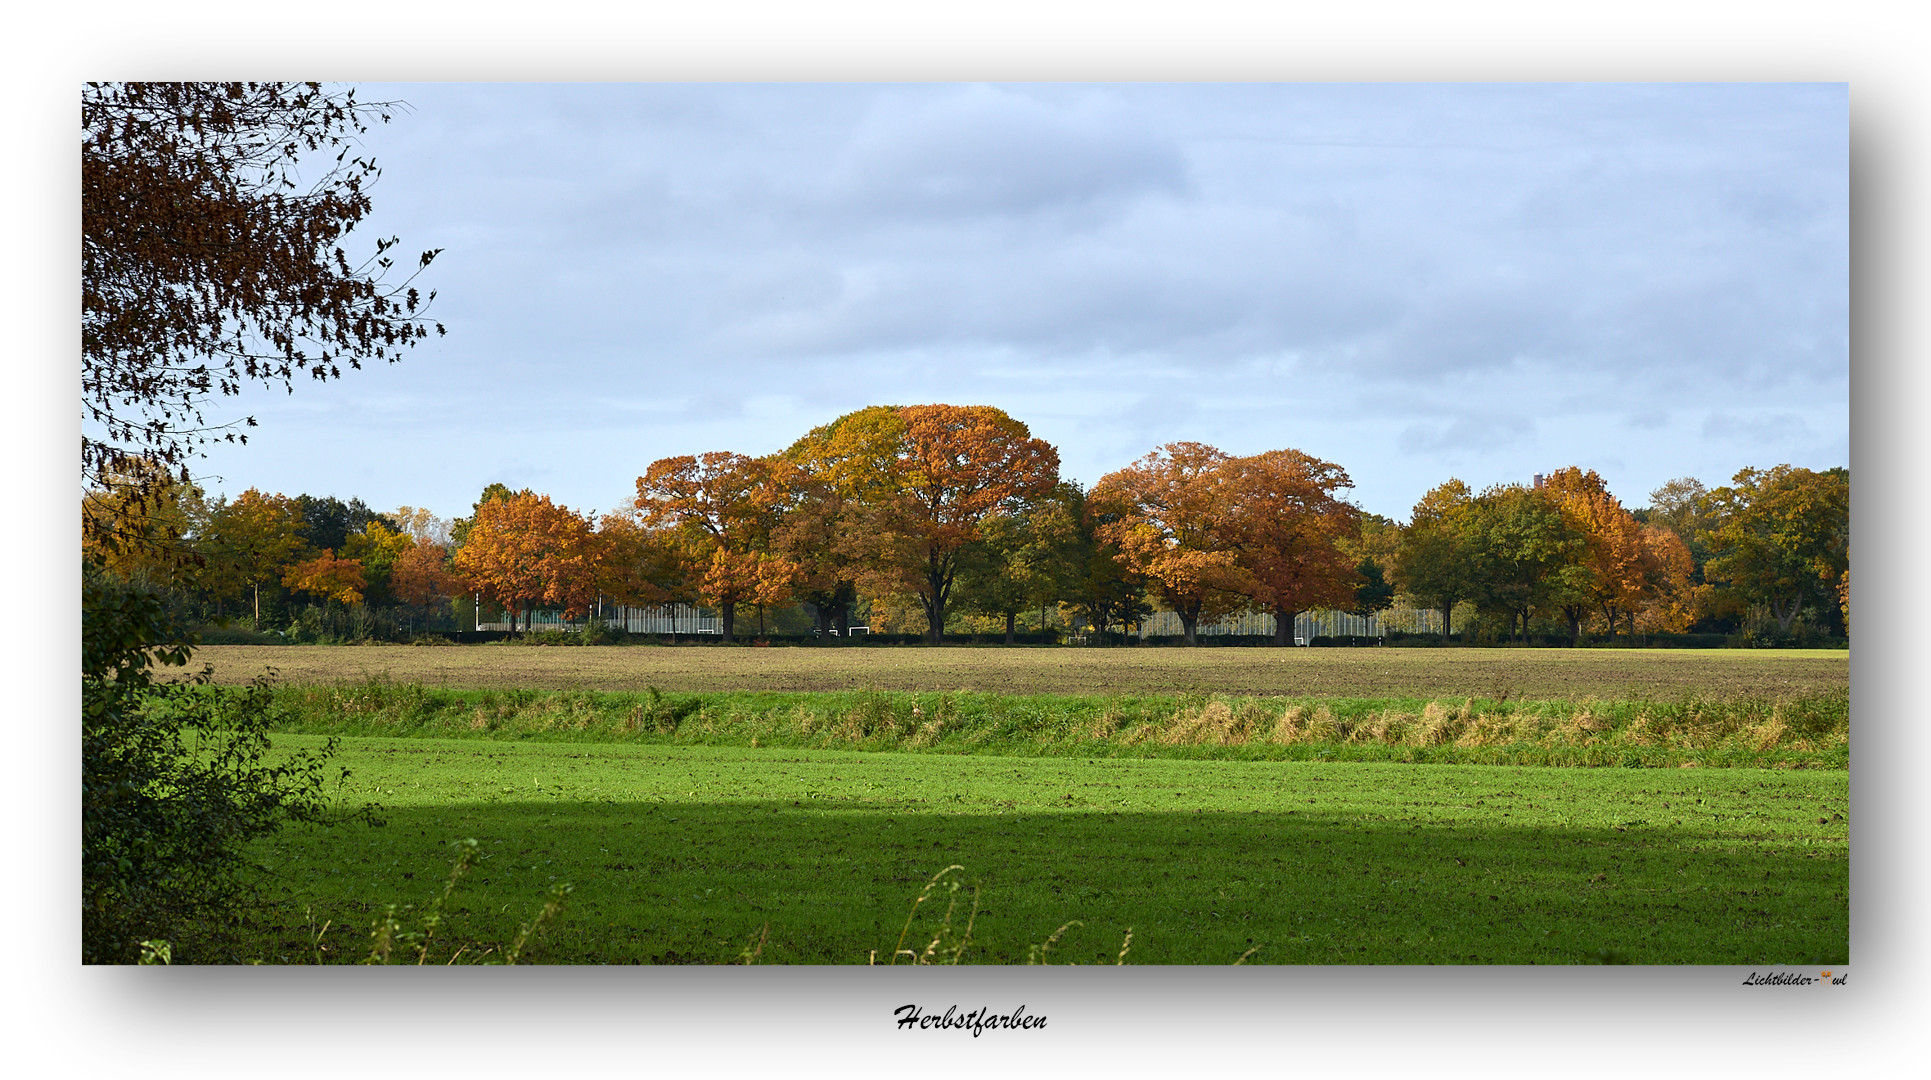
(1415, 282)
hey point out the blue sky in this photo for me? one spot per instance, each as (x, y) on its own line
(1414, 281)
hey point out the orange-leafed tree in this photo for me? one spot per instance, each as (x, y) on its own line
(1169, 514)
(327, 578)
(960, 464)
(1617, 570)
(720, 507)
(525, 550)
(639, 567)
(421, 575)
(1288, 528)
(825, 534)
(908, 487)
(1674, 598)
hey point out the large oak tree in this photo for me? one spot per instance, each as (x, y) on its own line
(1171, 518)
(1289, 529)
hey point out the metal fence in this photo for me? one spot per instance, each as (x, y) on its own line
(668, 619)
(1308, 625)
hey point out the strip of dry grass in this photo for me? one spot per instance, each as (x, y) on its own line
(1536, 674)
(1783, 732)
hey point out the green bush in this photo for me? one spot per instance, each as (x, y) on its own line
(174, 780)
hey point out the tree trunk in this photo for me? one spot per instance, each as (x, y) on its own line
(1447, 610)
(1011, 617)
(1284, 627)
(1187, 623)
(257, 588)
(1785, 612)
(729, 611)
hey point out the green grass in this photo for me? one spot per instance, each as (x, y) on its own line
(691, 853)
(1796, 730)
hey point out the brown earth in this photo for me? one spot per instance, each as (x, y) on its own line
(1368, 672)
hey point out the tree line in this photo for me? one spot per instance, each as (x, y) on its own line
(948, 509)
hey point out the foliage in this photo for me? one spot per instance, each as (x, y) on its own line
(1519, 545)
(1784, 537)
(916, 484)
(250, 541)
(140, 520)
(723, 507)
(1170, 520)
(208, 262)
(525, 550)
(327, 578)
(1025, 558)
(1434, 564)
(1617, 569)
(1289, 533)
(174, 780)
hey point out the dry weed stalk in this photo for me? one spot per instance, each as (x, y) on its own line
(1291, 726)
(918, 958)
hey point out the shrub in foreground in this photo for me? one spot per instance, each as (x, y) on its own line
(173, 781)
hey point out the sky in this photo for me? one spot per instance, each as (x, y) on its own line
(1416, 282)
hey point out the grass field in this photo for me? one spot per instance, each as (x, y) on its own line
(1294, 806)
(693, 854)
(1369, 672)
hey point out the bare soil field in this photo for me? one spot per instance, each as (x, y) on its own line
(1370, 672)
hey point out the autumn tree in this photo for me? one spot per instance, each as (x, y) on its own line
(1288, 529)
(823, 533)
(1781, 537)
(841, 482)
(256, 536)
(924, 478)
(724, 506)
(377, 547)
(1375, 546)
(207, 263)
(424, 525)
(327, 577)
(213, 257)
(1169, 516)
(526, 550)
(1674, 599)
(140, 523)
(421, 575)
(1433, 564)
(638, 567)
(1616, 569)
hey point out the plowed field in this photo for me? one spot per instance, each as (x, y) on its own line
(1368, 672)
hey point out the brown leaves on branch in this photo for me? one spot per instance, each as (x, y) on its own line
(209, 262)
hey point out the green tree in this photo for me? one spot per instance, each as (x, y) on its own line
(1433, 564)
(1781, 537)
(255, 537)
(1022, 558)
(1518, 543)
